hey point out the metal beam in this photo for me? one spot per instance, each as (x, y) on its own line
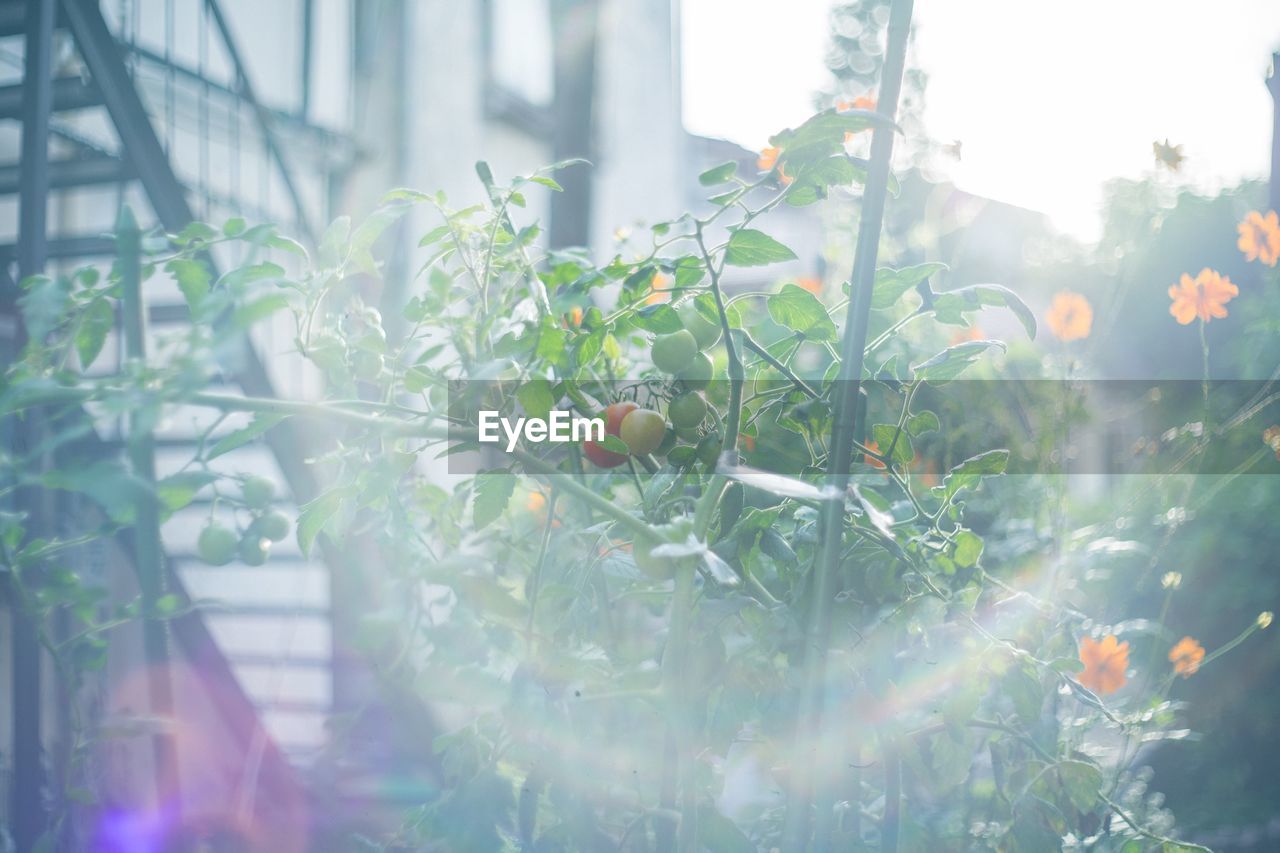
(69, 93)
(13, 18)
(29, 817)
(263, 116)
(138, 139)
(61, 248)
(63, 174)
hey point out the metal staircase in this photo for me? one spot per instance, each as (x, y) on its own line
(103, 121)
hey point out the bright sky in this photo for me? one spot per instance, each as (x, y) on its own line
(1049, 99)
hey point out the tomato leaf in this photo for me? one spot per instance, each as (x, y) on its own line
(178, 490)
(260, 424)
(800, 311)
(890, 284)
(1082, 782)
(718, 174)
(751, 248)
(96, 321)
(953, 360)
(970, 472)
(493, 492)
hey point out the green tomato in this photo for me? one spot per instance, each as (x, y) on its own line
(672, 353)
(661, 568)
(216, 544)
(696, 375)
(658, 568)
(642, 430)
(366, 364)
(709, 450)
(258, 492)
(327, 351)
(689, 435)
(705, 332)
(688, 410)
(273, 526)
(253, 548)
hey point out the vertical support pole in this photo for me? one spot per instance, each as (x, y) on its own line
(150, 568)
(37, 102)
(811, 789)
(1273, 83)
(29, 816)
(308, 25)
(575, 27)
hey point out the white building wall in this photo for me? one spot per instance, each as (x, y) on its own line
(641, 171)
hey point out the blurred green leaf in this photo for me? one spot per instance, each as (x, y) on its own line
(493, 492)
(718, 174)
(96, 321)
(262, 422)
(953, 360)
(1082, 782)
(44, 303)
(316, 514)
(969, 473)
(751, 248)
(799, 310)
(890, 284)
(661, 319)
(536, 398)
(178, 490)
(193, 277)
(968, 548)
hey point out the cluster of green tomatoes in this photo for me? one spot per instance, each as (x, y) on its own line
(218, 544)
(682, 354)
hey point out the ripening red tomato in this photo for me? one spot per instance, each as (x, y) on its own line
(643, 430)
(613, 415)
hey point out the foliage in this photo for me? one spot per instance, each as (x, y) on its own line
(630, 646)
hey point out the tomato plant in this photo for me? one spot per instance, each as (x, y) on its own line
(775, 628)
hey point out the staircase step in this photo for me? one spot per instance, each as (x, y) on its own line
(64, 174)
(69, 93)
(268, 659)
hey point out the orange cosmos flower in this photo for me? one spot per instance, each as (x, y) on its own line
(862, 102)
(1203, 296)
(1070, 316)
(572, 319)
(873, 461)
(658, 293)
(811, 284)
(1186, 656)
(768, 162)
(1260, 237)
(973, 333)
(1104, 664)
(747, 442)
